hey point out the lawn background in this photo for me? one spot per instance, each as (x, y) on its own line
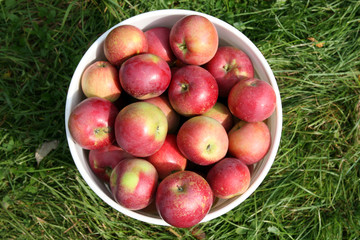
(311, 192)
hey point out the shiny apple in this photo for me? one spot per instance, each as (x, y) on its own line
(183, 199)
(168, 159)
(133, 183)
(192, 90)
(145, 76)
(141, 129)
(203, 140)
(91, 123)
(194, 39)
(123, 42)
(101, 79)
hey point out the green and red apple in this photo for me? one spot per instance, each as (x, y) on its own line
(91, 123)
(101, 79)
(194, 40)
(172, 116)
(141, 129)
(123, 42)
(103, 161)
(222, 114)
(133, 183)
(203, 140)
(249, 142)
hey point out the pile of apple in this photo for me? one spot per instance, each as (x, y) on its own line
(173, 117)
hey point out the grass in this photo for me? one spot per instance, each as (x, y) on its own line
(313, 188)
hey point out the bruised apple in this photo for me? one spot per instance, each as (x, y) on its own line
(133, 183)
(103, 161)
(183, 199)
(91, 123)
(228, 178)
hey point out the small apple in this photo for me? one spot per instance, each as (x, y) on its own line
(172, 116)
(103, 161)
(249, 142)
(91, 123)
(252, 100)
(145, 76)
(133, 183)
(222, 114)
(202, 140)
(192, 90)
(101, 79)
(168, 159)
(158, 42)
(228, 178)
(141, 129)
(123, 42)
(183, 199)
(228, 66)
(194, 39)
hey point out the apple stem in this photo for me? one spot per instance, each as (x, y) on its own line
(253, 84)
(208, 147)
(182, 46)
(108, 171)
(180, 188)
(226, 67)
(184, 87)
(157, 129)
(104, 130)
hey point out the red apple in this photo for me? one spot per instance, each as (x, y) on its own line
(249, 142)
(91, 123)
(133, 183)
(172, 116)
(101, 79)
(103, 161)
(192, 90)
(252, 100)
(183, 199)
(228, 178)
(203, 140)
(228, 66)
(168, 159)
(141, 129)
(123, 42)
(222, 114)
(158, 42)
(194, 39)
(145, 76)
